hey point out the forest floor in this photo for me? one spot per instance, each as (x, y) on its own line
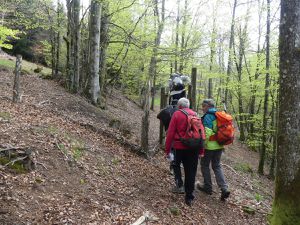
(85, 175)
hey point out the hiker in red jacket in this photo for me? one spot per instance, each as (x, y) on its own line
(182, 153)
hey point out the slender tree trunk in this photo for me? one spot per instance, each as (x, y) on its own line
(266, 99)
(76, 37)
(286, 206)
(70, 53)
(182, 46)
(58, 37)
(274, 137)
(16, 90)
(239, 91)
(53, 55)
(104, 41)
(151, 74)
(231, 41)
(177, 37)
(254, 86)
(95, 22)
(212, 58)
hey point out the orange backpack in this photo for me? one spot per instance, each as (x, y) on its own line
(225, 129)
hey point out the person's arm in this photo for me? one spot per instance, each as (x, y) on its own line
(208, 125)
(171, 134)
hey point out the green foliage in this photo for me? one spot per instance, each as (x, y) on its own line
(244, 167)
(16, 167)
(46, 51)
(116, 160)
(5, 116)
(5, 35)
(258, 197)
(175, 211)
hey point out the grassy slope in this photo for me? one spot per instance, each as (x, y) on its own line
(27, 66)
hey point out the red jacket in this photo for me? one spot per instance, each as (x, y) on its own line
(177, 129)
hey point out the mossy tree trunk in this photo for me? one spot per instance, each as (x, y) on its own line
(286, 206)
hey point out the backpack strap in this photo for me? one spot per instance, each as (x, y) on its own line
(185, 112)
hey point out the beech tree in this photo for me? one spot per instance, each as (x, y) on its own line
(95, 21)
(286, 206)
(160, 16)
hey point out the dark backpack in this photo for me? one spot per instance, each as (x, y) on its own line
(225, 129)
(195, 134)
(165, 115)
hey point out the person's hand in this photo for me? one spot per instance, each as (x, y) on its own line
(201, 153)
(170, 157)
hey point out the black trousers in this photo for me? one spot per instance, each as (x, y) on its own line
(189, 159)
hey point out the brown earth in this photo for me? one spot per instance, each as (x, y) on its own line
(86, 175)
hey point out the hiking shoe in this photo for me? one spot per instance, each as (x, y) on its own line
(178, 190)
(225, 194)
(204, 189)
(189, 202)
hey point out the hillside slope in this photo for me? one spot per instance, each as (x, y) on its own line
(86, 175)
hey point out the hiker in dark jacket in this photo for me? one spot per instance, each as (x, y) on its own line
(177, 91)
(213, 152)
(182, 153)
(165, 115)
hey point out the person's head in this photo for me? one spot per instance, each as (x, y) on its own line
(183, 103)
(207, 104)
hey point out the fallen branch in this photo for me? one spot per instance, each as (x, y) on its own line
(41, 165)
(15, 160)
(245, 207)
(44, 102)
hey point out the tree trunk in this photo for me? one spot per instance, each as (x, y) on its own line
(151, 74)
(16, 90)
(76, 40)
(53, 55)
(212, 58)
(286, 206)
(274, 137)
(231, 41)
(95, 22)
(183, 41)
(254, 86)
(266, 99)
(239, 91)
(177, 37)
(194, 89)
(58, 37)
(69, 42)
(104, 42)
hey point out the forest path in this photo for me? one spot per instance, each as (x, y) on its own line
(86, 177)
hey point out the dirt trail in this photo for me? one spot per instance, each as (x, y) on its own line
(86, 177)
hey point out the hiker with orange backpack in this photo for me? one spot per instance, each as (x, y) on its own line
(186, 135)
(216, 136)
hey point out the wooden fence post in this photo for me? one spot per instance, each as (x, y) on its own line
(194, 89)
(16, 90)
(189, 95)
